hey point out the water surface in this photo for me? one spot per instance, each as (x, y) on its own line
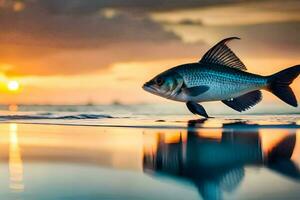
(250, 157)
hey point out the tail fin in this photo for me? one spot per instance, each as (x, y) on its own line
(279, 84)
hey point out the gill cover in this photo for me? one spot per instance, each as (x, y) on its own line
(167, 84)
(175, 82)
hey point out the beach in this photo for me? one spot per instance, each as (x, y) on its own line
(149, 100)
(248, 157)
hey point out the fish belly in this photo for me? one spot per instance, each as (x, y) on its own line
(224, 92)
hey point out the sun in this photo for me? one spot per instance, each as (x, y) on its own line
(13, 85)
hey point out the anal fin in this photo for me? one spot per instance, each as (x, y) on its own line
(245, 101)
(197, 109)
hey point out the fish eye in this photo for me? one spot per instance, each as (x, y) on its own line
(159, 81)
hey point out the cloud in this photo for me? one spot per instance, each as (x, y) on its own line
(242, 13)
(35, 42)
(268, 28)
(36, 28)
(84, 7)
(270, 40)
(54, 37)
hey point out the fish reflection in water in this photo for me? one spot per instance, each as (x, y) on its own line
(217, 165)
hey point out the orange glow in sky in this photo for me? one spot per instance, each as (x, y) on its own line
(90, 60)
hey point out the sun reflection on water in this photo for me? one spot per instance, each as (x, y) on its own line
(15, 161)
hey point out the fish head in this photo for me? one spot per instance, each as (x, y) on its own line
(165, 84)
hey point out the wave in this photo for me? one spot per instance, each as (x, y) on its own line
(228, 122)
(52, 116)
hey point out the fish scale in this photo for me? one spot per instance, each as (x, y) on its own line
(224, 82)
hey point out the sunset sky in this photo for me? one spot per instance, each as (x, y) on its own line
(79, 51)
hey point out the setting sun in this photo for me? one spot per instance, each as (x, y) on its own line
(13, 85)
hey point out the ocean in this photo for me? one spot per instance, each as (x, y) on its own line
(146, 152)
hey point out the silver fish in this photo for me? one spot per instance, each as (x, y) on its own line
(221, 76)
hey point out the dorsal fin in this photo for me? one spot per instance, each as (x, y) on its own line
(221, 54)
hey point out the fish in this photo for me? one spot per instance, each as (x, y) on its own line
(221, 76)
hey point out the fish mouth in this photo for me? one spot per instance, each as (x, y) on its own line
(149, 88)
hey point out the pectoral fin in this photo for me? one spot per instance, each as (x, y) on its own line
(245, 101)
(196, 109)
(195, 91)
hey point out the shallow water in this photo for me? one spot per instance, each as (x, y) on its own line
(236, 157)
